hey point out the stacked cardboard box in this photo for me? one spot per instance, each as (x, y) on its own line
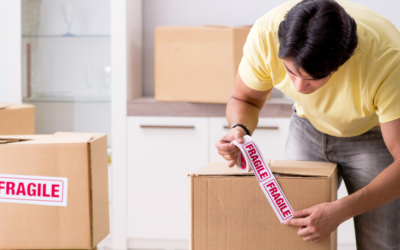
(197, 64)
(53, 191)
(17, 119)
(230, 211)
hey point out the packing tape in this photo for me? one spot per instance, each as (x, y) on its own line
(250, 157)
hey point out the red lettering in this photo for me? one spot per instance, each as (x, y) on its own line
(253, 158)
(257, 163)
(1, 187)
(271, 185)
(31, 192)
(252, 152)
(10, 186)
(273, 190)
(250, 146)
(54, 190)
(21, 189)
(44, 191)
(39, 190)
(263, 175)
(279, 202)
(276, 196)
(282, 208)
(259, 171)
(286, 213)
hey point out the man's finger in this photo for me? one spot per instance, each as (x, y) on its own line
(302, 213)
(225, 146)
(230, 156)
(239, 137)
(316, 240)
(310, 237)
(297, 222)
(231, 163)
(228, 152)
(304, 231)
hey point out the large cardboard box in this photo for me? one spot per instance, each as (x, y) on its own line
(76, 210)
(197, 64)
(230, 211)
(17, 119)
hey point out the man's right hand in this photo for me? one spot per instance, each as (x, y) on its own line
(227, 149)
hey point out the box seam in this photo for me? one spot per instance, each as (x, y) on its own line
(191, 221)
(90, 195)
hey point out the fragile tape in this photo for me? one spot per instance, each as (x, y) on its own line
(250, 157)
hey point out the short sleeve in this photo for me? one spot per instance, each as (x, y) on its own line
(253, 67)
(386, 74)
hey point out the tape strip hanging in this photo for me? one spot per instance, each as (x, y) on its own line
(251, 158)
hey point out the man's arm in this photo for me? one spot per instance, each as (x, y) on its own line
(322, 219)
(386, 186)
(243, 107)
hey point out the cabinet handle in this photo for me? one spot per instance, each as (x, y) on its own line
(267, 127)
(258, 127)
(167, 126)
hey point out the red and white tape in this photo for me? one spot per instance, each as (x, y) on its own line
(251, 158)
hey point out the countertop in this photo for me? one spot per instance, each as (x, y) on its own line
(147, 106)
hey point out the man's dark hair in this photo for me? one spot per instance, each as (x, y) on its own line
(317, 36)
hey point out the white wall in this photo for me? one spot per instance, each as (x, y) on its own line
(10, 54)
(3, 49)
(79, 117)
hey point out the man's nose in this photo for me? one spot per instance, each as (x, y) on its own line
(301, 84)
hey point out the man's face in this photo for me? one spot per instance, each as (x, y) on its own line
(304, 83)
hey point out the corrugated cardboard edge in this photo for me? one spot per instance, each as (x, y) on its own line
(191, 207)
(334, 187)
(4, 105)
(98, 181)
(95, 248)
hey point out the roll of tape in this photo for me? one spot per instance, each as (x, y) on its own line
(250, 157)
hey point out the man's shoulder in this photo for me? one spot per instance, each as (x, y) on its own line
(377, 36)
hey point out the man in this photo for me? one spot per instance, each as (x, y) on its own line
(340, 62)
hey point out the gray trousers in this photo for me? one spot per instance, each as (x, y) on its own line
(360, 159)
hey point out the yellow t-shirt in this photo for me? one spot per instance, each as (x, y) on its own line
(363, 92)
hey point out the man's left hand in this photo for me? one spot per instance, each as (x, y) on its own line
(317, 222)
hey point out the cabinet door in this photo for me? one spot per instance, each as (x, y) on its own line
(270, 135)
(162, 151)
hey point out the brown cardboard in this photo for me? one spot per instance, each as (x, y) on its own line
(197, 64)
(82, 158)
(17, 119)
(229, 210)
(95, 248)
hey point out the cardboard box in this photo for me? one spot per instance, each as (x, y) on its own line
(17, 119)
(230, 211)
(77, 162)
(197, 64)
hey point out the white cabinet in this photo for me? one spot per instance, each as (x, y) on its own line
(162, 151)
(270, 135)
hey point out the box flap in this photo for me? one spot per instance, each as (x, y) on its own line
(47, 139)
(300, 168)
(226, 27)
(99, 188)
(303, 168)
(4, 105)
(220, 168)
